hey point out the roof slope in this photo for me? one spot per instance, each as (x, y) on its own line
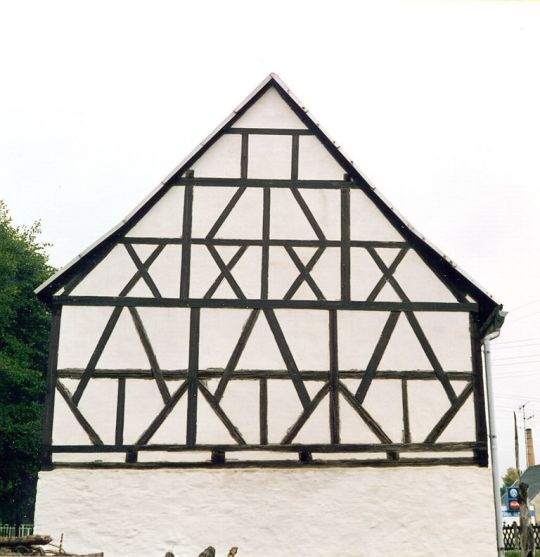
(446, 269)
(531, 476)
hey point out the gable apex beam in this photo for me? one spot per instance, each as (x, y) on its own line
(269, 131)
(261, 183)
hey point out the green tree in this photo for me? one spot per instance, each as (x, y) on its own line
(510, 478)
(24, 324)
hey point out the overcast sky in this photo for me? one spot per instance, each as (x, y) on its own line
(438, 103)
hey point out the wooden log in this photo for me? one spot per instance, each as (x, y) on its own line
(25, 540)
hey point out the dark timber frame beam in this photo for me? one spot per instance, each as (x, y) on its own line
(211, 240)
(453, 446)
(117, 301)
(248, 374)
(306, 463)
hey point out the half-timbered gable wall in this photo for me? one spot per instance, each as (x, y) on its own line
(263, 309)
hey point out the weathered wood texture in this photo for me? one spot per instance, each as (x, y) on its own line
(25, 540)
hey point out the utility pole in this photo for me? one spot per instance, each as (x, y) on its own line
(525, 418)
(516, 445)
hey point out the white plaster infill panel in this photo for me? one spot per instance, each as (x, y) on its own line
(346, 512)
(270, 111)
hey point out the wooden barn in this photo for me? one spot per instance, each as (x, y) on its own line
(265, 354)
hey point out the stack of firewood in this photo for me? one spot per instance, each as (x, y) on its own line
(23, 545)
(34, 545)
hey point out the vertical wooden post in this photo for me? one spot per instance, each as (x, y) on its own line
(345, 244)
(405, 405)
(516, 445)
(120, 411)
(54, 340)
(185, 270)
(333, 378)
(265, 255)
(193, 371)
(263, 411)
(481, 452)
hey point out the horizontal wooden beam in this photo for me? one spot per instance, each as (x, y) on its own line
(291, 448)
(314, 463)
(269, 131)
(255, 374)
(128, 301)
(262, 183)
(210, 241)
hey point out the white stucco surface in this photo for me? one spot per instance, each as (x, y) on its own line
(346, 512)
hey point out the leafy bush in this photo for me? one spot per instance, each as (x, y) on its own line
(24, 325)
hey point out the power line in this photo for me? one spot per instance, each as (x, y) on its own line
(517, 363)
(516, 358)
(518, 346)
(511, 321)
(518, 397)
(499, 342)
(527, 304)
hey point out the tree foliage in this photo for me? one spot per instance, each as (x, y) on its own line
(510, 478)
(24, 324)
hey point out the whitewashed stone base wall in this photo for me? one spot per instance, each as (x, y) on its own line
(419, 512)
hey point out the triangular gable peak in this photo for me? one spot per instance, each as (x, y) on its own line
(268, 207)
